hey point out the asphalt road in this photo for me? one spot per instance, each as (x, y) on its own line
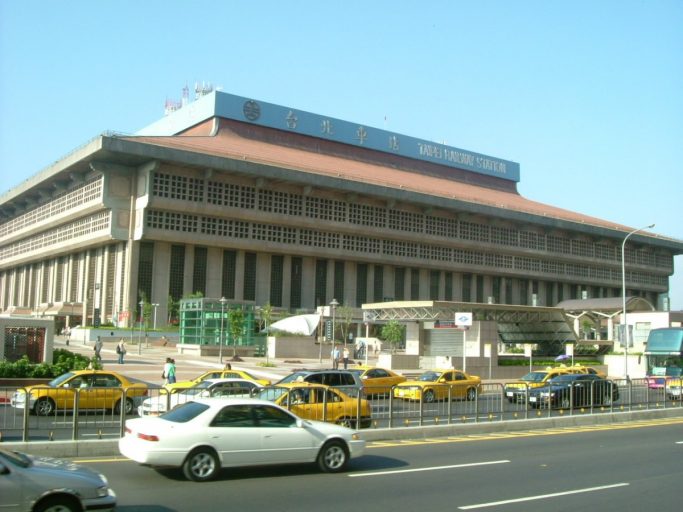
(633, 467)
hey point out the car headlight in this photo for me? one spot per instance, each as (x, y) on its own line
(102, 491)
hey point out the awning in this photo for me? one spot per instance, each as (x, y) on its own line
(665, 342)
(516, 324)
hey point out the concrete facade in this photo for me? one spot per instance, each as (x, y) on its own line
(255, 214)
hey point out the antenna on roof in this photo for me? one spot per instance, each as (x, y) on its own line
(202, 90)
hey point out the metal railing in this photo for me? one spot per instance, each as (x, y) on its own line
(77, 414)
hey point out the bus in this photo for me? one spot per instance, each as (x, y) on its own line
(664, 356)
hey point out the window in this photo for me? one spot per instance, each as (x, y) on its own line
(267, 416)
(361, 283)
(234, 416)
(320, 282)
(199, 273)
(228, 277)
(339, 281)
(378, 284)
(250, 276)
(176, 272)
(276, 277)
(400, 283)
(295, 280)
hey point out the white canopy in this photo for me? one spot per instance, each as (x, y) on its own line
(298, 324)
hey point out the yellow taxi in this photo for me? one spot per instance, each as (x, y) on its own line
(578, 368)
(377, 381)
(215, 374)
(319, 402)
(517, 391)
(96, 389)
(439, 385)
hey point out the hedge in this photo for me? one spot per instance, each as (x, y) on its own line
(64, 361)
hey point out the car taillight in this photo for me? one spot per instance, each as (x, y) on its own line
(148, 437)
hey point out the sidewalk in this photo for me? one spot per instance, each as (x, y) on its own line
(146, 362)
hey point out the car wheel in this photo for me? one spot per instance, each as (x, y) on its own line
(333, 457)
(471, 394)
(58, 504)
(607, 400)
(428, 396)
(128, 408)
(44, 407)
(346, 422)
(201, 465)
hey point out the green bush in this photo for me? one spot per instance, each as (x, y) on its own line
(63, 361)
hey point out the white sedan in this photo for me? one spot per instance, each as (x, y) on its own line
(208, 434)
(156, 405)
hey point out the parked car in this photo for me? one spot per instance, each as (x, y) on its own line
(321, 403)
(208, 434)
(517, 391)
(578, 368)
(346, 380)
(574, 390)
(40, 484)
(377, 381)
(439, 385)
(154, 406)
(673, 389)
(215, 374)
(96, 389)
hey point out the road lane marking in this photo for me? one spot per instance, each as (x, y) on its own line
(434, 468)
(493, 436)
(542, 496)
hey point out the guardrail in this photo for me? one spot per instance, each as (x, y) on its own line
(96, 413)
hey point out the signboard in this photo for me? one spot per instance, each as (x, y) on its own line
(463, 319)
(487, 350)
(527, 350)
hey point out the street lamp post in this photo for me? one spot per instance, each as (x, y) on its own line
(624, 323)
(334, 305)
(142, 317)
(155, 315)
(223, 301)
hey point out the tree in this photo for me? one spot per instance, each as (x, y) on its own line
(236, 323)
(392, 332)
(344, 318)
(172, 308)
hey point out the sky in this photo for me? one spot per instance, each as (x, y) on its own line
(586, 96)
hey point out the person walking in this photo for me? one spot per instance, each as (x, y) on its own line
(169, 371)
(345, 355)
(121, 350)
(98, 349)
(335, 357)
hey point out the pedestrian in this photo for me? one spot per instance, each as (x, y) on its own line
(121, 350)
(98, 349)
(68, 336)
(346, 358)
(335, 357)
(228, 366)
(169, 371)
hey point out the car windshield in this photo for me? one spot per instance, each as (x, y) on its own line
(58, 381)
(564, 379)
(184, 412)
(293, 377)
(429, 376)
(16, 458)
(271, 394)
(534, 376)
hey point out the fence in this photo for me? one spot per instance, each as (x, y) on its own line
(54, 413)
